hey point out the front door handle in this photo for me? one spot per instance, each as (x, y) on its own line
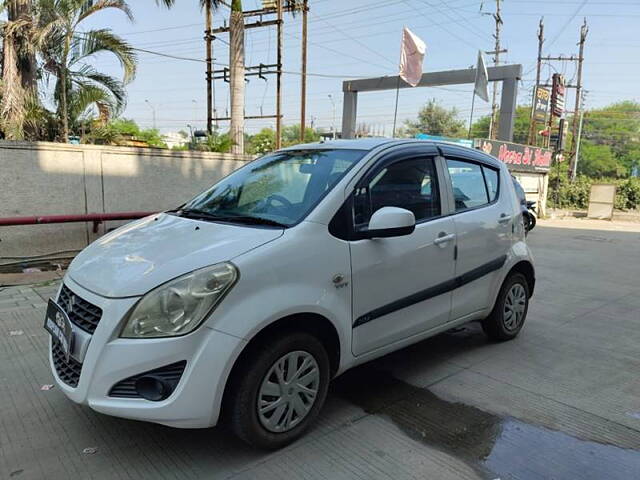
(443, 237)
(504, 219)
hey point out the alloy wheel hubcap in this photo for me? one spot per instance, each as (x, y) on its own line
(288, 391)
(515, 305)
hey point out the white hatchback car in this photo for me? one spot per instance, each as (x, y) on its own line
(249, 298)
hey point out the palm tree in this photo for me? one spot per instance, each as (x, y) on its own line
(236, 68)
(236, 74)
(67, 49)
(19, 69)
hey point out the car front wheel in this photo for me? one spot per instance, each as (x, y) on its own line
(279, 390)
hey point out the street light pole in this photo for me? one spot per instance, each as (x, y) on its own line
(195, 112)
(333, 121)
(153, 110)
(191, 134)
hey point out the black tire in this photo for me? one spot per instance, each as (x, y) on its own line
(241, 403)
(497, 325)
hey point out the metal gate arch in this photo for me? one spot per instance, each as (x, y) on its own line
(507, 74)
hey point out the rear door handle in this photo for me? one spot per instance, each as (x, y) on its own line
(444, 238)
(504, 219)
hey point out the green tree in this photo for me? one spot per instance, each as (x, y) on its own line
(67, 50)
(616, 126)
(597, 161)
(291, 135)
(434, 119)
(480, 128)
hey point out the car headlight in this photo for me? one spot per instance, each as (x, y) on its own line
(179, 306)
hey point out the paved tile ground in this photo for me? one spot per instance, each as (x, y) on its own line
(562, 401)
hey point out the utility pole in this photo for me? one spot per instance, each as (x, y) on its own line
(153, 112)
(576, 156)
(532, 123)
(209, 60)
(279, 79)
(303, 87)
(496, 61)
(574, 129)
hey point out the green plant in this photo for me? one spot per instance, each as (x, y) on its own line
(262, 142)
(121, 130)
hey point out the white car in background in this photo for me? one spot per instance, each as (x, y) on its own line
(250, 298)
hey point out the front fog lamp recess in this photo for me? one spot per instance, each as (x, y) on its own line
(180, 306)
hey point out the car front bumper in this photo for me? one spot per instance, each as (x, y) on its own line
(108, 359)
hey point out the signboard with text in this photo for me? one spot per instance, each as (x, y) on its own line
(543, 95)
(519, 158)
(557, 95)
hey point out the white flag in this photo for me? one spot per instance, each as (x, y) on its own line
(411, 57)
(482, 79)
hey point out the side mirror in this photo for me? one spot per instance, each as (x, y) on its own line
(390, 222)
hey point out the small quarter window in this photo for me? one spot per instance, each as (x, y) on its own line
(491, 178)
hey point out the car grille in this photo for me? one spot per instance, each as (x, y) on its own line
(69, 372)
(83, 314)
(127, 388)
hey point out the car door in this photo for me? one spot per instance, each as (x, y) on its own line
(483, 225)
(401, 285)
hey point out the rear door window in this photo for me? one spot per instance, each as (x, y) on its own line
(467, 180)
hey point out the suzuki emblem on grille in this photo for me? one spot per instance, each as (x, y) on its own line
(59, 320)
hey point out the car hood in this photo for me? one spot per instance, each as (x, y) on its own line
(141, 255)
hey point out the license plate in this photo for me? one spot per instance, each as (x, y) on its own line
(57, 323)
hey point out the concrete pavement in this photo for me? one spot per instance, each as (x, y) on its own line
(561, 401)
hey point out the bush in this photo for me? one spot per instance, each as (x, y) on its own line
(576, 194)
(628, 195)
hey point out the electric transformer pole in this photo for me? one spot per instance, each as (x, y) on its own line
(258, 18)
(579, 59)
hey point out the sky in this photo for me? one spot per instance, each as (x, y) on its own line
(360, 38)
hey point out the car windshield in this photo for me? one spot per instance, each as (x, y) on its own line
(279, 189)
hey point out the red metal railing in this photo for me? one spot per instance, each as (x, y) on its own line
(96, 218)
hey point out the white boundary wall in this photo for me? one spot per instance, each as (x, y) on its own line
(57, 179)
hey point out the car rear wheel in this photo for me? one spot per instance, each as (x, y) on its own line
(279, 390)
(510, 310)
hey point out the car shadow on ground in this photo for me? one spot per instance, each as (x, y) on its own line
(369, 389)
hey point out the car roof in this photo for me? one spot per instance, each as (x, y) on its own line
(373, 143)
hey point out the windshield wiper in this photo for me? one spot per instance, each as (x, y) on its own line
(249, 220)
(246, 219)
(194, 213)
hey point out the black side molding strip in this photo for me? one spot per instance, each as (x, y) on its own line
(434, 291)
